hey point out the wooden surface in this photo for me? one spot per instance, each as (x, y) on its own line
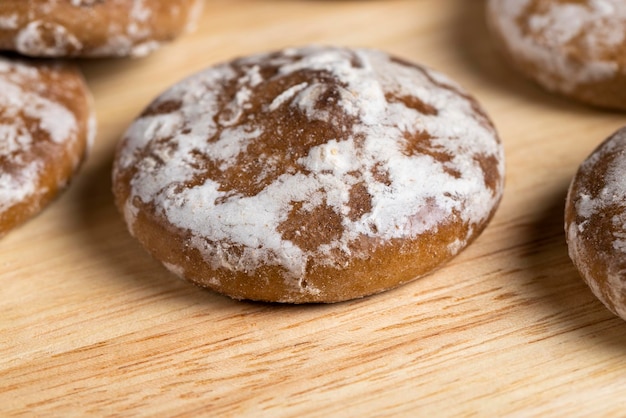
(91, 325)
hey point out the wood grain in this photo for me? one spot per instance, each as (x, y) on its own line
(91, 325)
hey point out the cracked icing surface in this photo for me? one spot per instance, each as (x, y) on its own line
(310, 156)
(571, 42)
(596, 222)
(56, 28)
(37, 126)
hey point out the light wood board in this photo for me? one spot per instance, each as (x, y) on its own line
(91, 325)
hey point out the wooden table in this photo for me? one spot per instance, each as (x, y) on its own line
(91, 325)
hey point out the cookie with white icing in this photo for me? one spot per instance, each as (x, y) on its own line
(595, 222)
(92, 28)
(313, 174)
(46, 127)
(573, 47)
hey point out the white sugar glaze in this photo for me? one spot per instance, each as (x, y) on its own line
(19, 100)
(8, 22)
(614, 191)
(33, 39)
(78, 3)
(420, 193)
(594, 26)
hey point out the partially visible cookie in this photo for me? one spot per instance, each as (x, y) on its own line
(46, 126)
(595, 222)
(314, 174)
(92, 28)
(573, 47)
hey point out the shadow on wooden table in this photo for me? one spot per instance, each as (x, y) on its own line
(566, 303)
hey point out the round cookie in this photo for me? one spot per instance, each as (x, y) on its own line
(46, 126)
(92, 28)
(312, 174)
(573, 47)
(595, 222)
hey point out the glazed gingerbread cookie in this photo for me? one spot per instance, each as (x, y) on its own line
(595, 222)
(92, 28)
(574, 47)
(313, 174)
(46, 126)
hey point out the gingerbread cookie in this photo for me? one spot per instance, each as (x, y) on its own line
(313, 174)
(573, 47)
(595, 222)
(92, 28)
(46, 126)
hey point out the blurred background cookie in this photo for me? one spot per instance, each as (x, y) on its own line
(92, 28)
(573, 47)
